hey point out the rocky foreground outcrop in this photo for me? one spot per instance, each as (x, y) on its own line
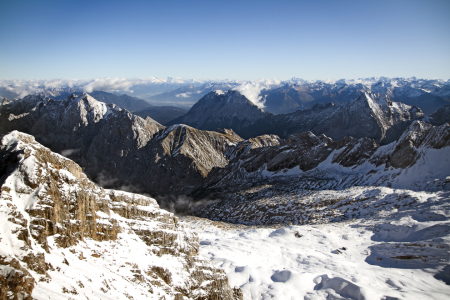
(61, 236)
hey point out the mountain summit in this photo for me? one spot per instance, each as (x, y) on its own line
(220, 109)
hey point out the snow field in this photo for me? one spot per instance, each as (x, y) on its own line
(309, 262)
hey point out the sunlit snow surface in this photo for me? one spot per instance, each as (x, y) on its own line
(389, 255)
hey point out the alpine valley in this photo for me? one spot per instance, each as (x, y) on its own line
(282, 190)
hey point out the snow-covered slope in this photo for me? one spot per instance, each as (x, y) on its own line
(360, 243)
(64, 237)
(317, 219)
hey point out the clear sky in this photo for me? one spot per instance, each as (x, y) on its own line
(224, 39)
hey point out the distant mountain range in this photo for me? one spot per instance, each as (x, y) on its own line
(370, 115)
(277, 96)
(119, 149)
(297, 94)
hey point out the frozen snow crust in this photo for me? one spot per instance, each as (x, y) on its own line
(63, 237)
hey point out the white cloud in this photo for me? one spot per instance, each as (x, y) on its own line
(184, 95)
(54, 87)
(252, 90)
(22, 88)
(107, 84)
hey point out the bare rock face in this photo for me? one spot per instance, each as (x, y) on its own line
(55, 219)
(420, 135)
(370, 115)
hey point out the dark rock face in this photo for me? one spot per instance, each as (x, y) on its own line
(441, 116)
(419, 135)
(48, 204)
(222, 110)
(72, 123)
(162, 114)
(293, 97)
(371, 115)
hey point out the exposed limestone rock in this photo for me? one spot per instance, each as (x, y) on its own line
(47, 205)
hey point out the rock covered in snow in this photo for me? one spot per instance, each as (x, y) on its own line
(61, 234)
(418, 160)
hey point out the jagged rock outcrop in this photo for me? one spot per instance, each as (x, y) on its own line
(74, 122)
(62, 234)
(418, 160)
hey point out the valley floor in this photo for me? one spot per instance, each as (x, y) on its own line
(397, 254)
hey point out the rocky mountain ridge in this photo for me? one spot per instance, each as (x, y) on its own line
(220, 109)
(62, 235)
(417, 161)
(370, 115)
(117, 148)
(298, 94)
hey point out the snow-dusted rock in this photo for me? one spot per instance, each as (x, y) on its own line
(419, 160)
(62, 235)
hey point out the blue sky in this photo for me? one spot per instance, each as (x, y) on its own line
(224, 39)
